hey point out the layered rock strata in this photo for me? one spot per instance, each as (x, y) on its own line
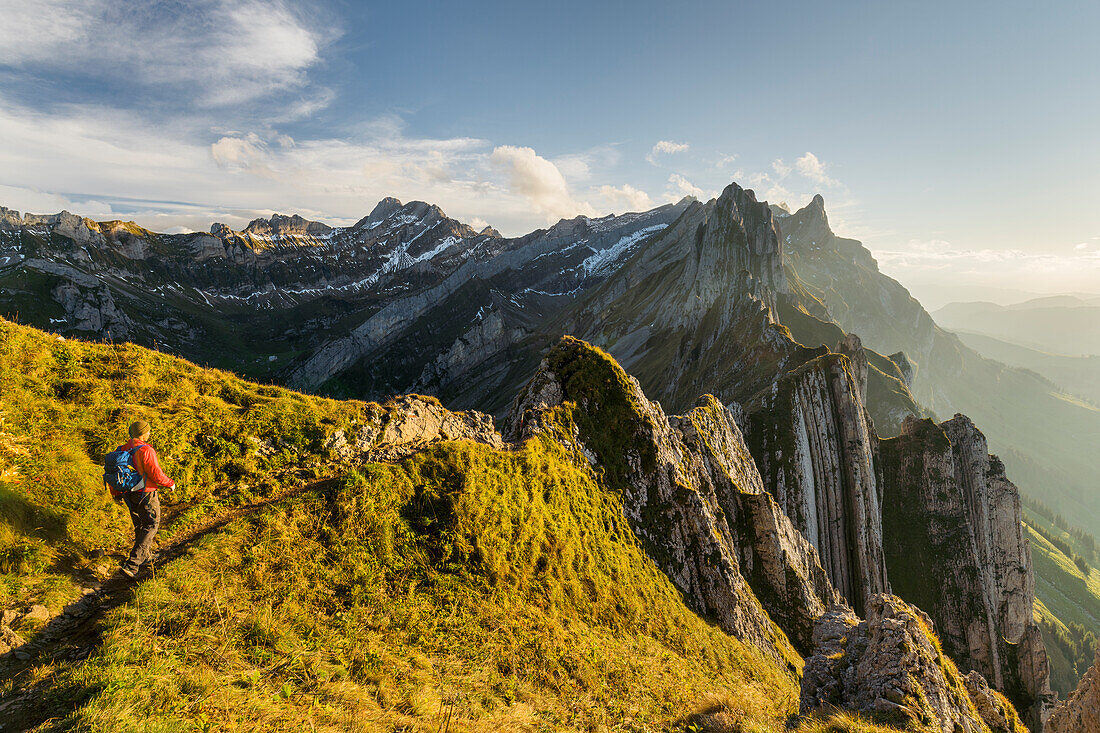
(817, 451)
(956, 547)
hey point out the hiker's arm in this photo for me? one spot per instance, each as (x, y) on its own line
(153, 473)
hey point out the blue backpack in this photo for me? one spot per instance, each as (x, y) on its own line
(119, 471)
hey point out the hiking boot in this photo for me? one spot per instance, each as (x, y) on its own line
(127, 572)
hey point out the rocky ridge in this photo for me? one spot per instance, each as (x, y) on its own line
(689, 297)
(1042, 437)
(818, 453)
(690, 492)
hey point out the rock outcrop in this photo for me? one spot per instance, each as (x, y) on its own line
(408, 424)
(689, 490)
(890, 667)
(1080, 713)
(817, 452)
(955, 546)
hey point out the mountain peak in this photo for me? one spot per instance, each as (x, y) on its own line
(384, 208)
(813, 215)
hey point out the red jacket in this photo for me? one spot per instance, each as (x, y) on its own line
(145, 461)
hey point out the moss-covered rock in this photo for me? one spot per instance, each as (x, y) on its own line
(892, 668)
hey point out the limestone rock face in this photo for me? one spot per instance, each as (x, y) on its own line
(695, 309)
(956, 547)
(905, 366)
(91, 309)
(689, 490)
(817, 451)
(852, 348)
(890, 667)
(782, 568)
(1080, 713)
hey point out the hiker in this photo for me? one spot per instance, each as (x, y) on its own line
(142, 499)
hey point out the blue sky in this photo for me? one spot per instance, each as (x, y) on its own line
(957, 140)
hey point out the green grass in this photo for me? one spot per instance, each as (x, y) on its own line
(66, 403)
(502, 589)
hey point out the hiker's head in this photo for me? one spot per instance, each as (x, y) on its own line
(140, 430)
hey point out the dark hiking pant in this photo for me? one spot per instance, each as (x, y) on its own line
(145, 513)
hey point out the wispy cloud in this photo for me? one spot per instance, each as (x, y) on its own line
(939, 262)
(812, 168)
(679, 186)
(215, 52)
(665, 147)
(113, 164)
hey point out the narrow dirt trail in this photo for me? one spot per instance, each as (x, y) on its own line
(75, 633)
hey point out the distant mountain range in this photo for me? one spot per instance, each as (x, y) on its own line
(1059, 324)
(1077, 375)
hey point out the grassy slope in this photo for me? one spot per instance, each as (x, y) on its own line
(1067, 603)
(494, 589)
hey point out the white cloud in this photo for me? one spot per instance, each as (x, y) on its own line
(215, 52)
(678, 187)
(241, 153)
(665, 147)
(539, 180)
(812, 168)
(625, 198)
(31, 201)
(788, 183)
(176, 175)
(574, 167)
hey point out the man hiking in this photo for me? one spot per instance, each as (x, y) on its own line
(142, 499)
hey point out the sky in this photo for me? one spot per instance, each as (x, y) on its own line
(958, 141)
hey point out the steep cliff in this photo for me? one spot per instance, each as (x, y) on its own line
(689, 490)
(891, 667)
(818, 454)
(955, 546)
(1081, 712)
(1045, 440)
